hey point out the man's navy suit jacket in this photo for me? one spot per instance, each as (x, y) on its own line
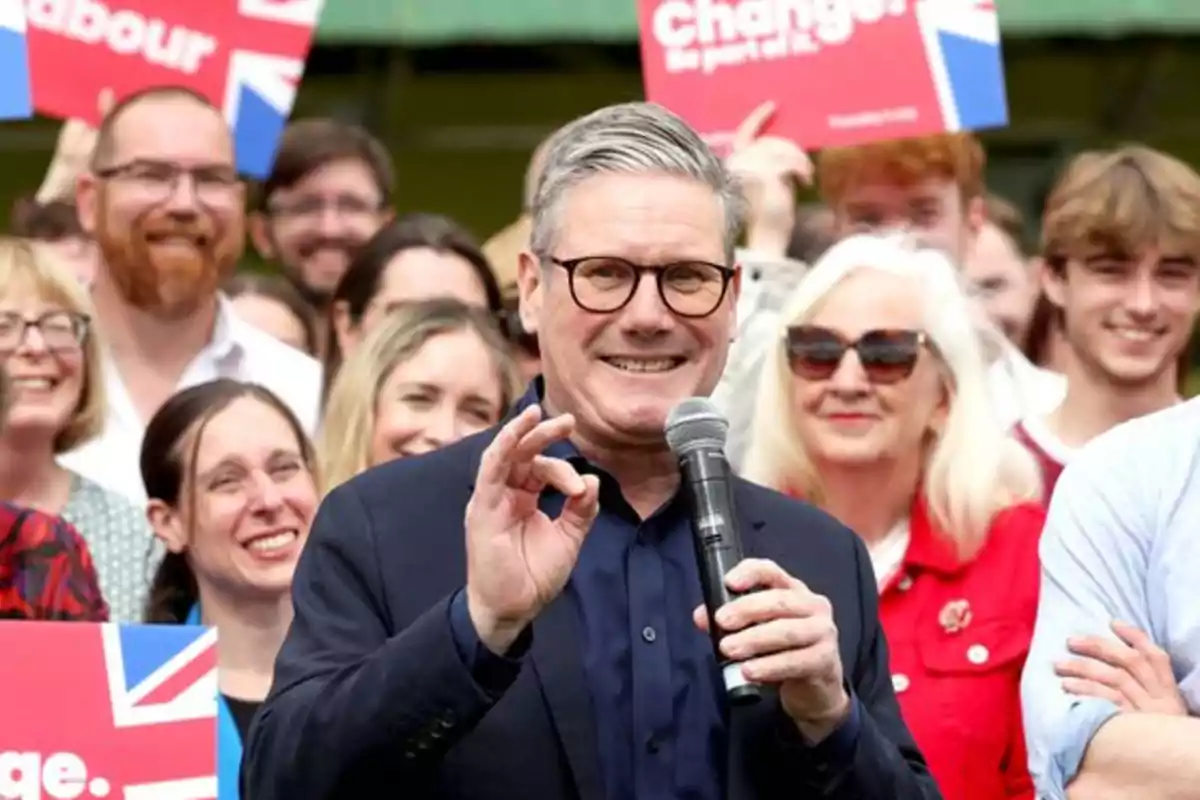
(371, 697)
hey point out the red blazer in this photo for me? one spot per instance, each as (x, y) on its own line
(958, 635)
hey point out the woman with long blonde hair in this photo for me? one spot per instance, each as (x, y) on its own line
(874, 406)
(434, 372)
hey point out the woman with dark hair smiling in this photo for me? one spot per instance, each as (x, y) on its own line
(229, 474)
(417, 257)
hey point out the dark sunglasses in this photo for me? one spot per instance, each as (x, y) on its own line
(887, 356)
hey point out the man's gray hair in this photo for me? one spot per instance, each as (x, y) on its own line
(630, 138)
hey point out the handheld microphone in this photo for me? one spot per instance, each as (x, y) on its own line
(696, 433)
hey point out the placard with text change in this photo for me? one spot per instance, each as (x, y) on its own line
(841, 72)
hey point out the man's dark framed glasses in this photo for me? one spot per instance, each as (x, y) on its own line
(887, 355)
(605, 284)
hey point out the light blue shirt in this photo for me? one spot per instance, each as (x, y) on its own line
(229, 740)
(1122, 542)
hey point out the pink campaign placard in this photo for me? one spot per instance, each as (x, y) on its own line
(97, 711)
(246, 56)
(841, 72)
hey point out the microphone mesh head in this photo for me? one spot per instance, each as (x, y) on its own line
(694, 423)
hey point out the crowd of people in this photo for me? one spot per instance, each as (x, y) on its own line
(909, 370)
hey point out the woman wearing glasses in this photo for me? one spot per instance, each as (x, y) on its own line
(54, 365)
(874, 406)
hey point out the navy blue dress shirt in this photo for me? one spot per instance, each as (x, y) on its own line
(656, 692)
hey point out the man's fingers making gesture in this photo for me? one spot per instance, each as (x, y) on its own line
(753, 125)
(518, 557)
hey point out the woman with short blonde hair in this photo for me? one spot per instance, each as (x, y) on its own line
(53, 359)
(874, 405)
(434, 372)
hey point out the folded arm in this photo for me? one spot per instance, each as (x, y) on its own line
(1152, 756)
(1094, 562)
(355, 704)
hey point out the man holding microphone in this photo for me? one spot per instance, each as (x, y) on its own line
(519, 615)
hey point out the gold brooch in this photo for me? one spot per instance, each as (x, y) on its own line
(955, 616)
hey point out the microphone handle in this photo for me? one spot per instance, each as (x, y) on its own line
(707, 477)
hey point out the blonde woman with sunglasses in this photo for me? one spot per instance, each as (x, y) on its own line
(874, 405)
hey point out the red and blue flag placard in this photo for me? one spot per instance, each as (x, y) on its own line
(246, 56)
(15, 97)
(962, 48)
(106, 710)
(841, 72)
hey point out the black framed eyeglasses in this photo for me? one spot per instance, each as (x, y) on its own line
(886, 355)
(605, 284)
(60, 330)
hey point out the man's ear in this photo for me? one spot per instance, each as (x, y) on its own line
(976, 216)
(1053, 281)
(531, 287)
(260, 235)
(87, 203)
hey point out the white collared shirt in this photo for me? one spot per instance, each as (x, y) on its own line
(238, 351)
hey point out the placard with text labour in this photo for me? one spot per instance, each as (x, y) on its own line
(841, 72)
(246, 56)
(15, 96)
(108, 711)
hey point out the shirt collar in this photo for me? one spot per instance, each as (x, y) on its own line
(228, 334)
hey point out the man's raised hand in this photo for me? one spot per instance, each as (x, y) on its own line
(519, 559)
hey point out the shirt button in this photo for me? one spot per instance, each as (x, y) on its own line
(905, 583)
(649, 634)
(977, 654)
(900, 683)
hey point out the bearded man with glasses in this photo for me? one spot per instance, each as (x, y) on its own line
(164, 202)
(538, 630)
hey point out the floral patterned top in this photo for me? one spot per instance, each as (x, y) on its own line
(46, 572)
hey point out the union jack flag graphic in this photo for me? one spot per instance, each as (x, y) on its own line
(962, 46)
(261, 86)
(15, 98)
(132, 707)
(246, 56)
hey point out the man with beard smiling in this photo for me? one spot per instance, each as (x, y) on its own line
(164, 203)
(329, 191)
(1121, 242)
